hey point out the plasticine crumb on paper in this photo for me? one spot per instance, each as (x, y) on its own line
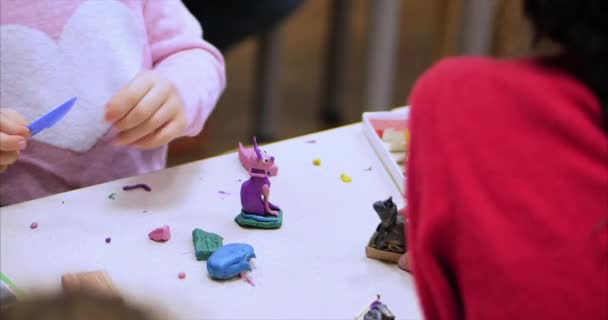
(346, 178)
(137, 186)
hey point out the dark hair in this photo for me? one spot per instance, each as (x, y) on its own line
(580, 27)
(78, 306)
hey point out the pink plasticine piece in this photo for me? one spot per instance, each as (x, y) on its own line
(181, 275)
(34, 225)
(249, 161)
(161, 234)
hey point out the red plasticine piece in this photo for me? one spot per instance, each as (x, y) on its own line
(161, 234)
(181, 275)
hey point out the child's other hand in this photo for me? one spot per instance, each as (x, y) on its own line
(148, 112)
(13, 137)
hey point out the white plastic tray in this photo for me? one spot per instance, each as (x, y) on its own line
(395, 170)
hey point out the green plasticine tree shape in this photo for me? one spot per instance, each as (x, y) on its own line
(205, 243)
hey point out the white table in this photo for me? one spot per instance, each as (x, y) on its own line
(314, 267)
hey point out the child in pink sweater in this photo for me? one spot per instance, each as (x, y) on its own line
(142, 74)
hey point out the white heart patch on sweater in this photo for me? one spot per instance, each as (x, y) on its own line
(100, 50)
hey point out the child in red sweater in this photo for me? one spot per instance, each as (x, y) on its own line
(508, 177)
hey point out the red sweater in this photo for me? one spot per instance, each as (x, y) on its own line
(508, 193)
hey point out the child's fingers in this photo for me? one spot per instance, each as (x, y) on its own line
(146, 107)
(12, 142)
(157, 120)
(164, 135)
(13, 115)
(8, 126)
(128, 97)
(3, 168)
(8, 157)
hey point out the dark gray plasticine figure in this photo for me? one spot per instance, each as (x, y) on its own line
(390, 233)
(378, 311)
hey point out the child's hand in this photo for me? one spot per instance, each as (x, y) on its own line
(13, 137)
(148, 112)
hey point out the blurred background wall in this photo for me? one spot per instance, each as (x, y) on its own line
(429, 30)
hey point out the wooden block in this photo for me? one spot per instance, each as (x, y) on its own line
(95, 282)
(387, 256)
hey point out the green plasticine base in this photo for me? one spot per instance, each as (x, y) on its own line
(250, 223)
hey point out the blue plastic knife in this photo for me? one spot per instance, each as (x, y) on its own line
(50, 119)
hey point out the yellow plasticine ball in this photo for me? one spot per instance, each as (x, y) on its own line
(346, 178)
(316, 162)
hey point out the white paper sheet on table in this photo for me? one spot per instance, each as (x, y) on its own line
(314, 267)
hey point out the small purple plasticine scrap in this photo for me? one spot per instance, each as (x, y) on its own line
(311, 141)
(137, 186)
(224, 192)
(161, 234)
(34, 225)
(108, 240)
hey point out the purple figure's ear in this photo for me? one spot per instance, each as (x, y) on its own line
(272, 159)
(258, 153)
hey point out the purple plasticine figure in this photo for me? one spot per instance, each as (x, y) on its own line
(255, 192)
(249, 160)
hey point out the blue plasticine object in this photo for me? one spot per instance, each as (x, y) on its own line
(260, 218)
(230, 260)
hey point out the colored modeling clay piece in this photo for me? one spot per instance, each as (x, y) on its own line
(137, 186)
(259, 218)
(34, 225)
(316, 162)
(230, 261)
(205, 243)
(388, 243)
(246, 220)
(378, 311)
(248, 158)
(255, 192)
(346, 178)
(112, 196)
(181, 275)
(161, 234)
(108, 240)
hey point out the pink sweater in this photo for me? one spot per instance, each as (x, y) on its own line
(54, 50)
